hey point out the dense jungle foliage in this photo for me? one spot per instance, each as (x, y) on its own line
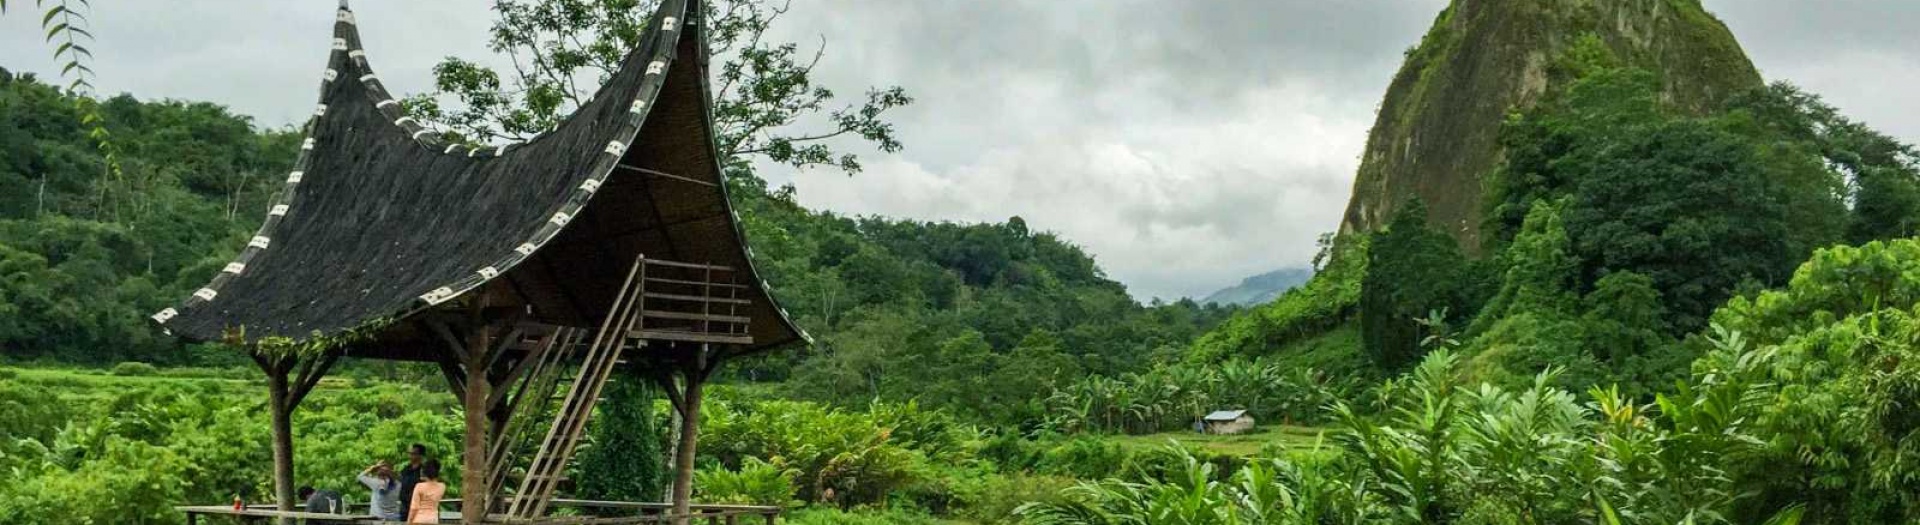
(1677, 316)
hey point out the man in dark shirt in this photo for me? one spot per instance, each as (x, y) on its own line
(410, 474)
(322, 501)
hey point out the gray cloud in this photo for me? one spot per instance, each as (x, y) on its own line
(1184, 144)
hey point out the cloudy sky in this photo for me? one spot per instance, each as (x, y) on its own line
(1185, 144)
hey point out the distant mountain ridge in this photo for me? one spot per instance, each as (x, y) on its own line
(1260, 289)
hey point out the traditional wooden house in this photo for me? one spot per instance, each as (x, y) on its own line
(528, 272)
(1226, 422)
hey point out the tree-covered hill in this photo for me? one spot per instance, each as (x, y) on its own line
(89, 249)
(981, 318)
(1617, 218)
(904, 309)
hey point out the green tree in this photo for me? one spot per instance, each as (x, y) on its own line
(1411, 270)
(1886, 205)
(766, 100)
(624, 459)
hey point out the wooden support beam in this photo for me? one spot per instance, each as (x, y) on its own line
(310, 376)
(691, 337)
(658, 173)
(456, 379)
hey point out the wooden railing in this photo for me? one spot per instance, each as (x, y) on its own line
(693, 302)
(591, 513)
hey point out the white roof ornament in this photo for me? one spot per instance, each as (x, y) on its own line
(294, 178)
(235, 268)
(590, 185)
(165, 315)
(206, 294)
(339, 44)
(525, 249)
(656, 67)
(260, 242)
(278, 210)
(438, 295)
(488, 272)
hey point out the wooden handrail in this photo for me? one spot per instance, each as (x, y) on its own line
(695, 266)
(694, 283)
(711, 512)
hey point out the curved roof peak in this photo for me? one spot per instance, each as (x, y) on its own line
(383, 218)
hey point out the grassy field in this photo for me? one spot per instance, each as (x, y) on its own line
(1287, 438)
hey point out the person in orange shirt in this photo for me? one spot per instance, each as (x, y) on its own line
(427, 494)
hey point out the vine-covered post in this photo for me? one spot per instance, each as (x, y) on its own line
(290, 377)
(685, 395)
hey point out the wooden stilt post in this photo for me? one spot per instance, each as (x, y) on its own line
(285, 390)
(472, 366)
(474, 492)
(695, 376)
(278, 395)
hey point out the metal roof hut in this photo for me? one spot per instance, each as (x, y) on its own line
(1226, 422)
(521, 269)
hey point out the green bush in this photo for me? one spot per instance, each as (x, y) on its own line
(991, 497)
(1085, 458)
(852, 454)
(134, 369)
(756, 482)
(832, 516)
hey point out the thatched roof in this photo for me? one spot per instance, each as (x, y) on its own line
(381, 218)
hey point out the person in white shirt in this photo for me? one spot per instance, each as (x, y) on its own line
(385, 501)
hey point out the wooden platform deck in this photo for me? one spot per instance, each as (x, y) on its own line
(583, 512)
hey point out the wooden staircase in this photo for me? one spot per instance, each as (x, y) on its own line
(659, 301)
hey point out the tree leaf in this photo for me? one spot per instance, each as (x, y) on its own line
(52, 12)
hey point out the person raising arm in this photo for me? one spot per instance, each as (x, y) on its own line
(385, 501)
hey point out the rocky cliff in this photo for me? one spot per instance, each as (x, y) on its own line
(1438, 127)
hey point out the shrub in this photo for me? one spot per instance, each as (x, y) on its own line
(831, 516)
(1084, 457)
(991, 497)
(755, 483)
(134, 369)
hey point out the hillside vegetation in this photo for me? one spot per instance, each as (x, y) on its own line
(1596, 272)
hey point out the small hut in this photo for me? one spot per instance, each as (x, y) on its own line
(1226, 422)
(529, 273)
